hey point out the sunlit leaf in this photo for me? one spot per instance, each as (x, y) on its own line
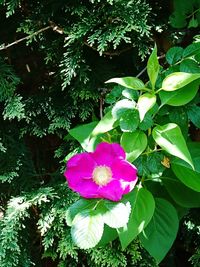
(170, 138)
(177, 80)
(129, 82)
(142, 209)
(134, 144)
(87, 229)
(153, 67)
(145, 103)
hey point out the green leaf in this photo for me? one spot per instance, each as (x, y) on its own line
(159, 235)
(145, 103)
(116, 215)
(194, 115)
(174, 54)
(142, 209)
(170, 138)
(129, 120)
(180, 193)
(82, 135)
(106, 124)
(184, 172)
(78, 206)
(146, 123)
(181, 96)
(193, 23)
(134, 144)
(115, 93)
(191, 50)
(87, 229)
(130, 94)
(178, 20)
(121, 108)
(153, 67)
(129, 82)
(188, 176)
(190, 66)
(178, 80)
(109, 234)
(179, 116)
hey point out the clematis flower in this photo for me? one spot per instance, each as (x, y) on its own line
(103, 173)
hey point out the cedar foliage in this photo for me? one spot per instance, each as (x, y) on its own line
(50, 82)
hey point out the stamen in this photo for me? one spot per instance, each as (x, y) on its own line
(102, 175)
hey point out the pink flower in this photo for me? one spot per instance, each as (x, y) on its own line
(103, 173)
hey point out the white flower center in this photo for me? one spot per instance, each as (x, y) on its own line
(102, 175)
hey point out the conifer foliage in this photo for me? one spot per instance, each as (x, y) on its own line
(54, 59)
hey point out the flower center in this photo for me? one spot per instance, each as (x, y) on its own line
(102, 175)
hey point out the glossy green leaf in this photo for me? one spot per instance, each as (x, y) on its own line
(146, 123)
(192, 50)
(184, 172)
(181, 96)
(109, 234)
(188, 176)
(170, 138)
(106, 124)
(129, 82)
(121, 108)
(145, 103)
(134, 144)
(142, 209)
(177, 80)
(129, 121)
(180, 193)
(116, 215)
(193, 23)
(190, 66)
(194, 115)
(130, 94)
(159, 235)
(174, 54)
(87, 229)
(153, 67)
(82, 135)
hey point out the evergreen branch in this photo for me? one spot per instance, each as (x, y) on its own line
(52, 26)
(110, 53)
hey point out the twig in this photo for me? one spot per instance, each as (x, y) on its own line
(52, 26)
(142, 71)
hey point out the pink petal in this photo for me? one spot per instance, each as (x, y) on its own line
(123, 170)
(87, 189)
(128, 186)
(112, 191)
(105, 153)
(79, 167)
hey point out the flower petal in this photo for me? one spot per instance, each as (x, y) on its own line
(112, 191)
(79, 167)
(105, 153)
(123, 170)
(87, 189)
(128, 186)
